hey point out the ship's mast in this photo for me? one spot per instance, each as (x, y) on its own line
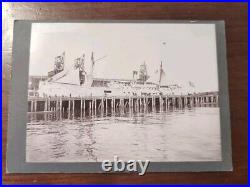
(93, 61)
(160, 77)
(79, 63)
(92, 64)
(143, 76)
(91, 72)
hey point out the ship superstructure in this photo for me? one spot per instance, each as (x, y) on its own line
(78, 82)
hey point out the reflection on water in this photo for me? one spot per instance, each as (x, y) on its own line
(190, 134)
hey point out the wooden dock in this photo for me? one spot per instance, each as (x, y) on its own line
(106, 103)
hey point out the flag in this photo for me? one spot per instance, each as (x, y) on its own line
(92, 59)
(191, 84)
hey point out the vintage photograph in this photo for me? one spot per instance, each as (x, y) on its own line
(139, 91)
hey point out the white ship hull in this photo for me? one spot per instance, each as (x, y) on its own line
(70, 90)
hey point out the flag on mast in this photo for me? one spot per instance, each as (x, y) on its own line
(191, 84)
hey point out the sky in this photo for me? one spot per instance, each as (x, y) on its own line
(187, 51)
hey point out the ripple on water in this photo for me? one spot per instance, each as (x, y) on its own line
(174, 135)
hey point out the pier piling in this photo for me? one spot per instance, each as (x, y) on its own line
(106, 103)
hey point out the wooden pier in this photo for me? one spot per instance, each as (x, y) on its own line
(109, 103)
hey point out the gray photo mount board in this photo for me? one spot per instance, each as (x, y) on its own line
(18, 106)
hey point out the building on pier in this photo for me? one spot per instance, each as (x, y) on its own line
(33, 86)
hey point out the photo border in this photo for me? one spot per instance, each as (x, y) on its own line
(18, 106)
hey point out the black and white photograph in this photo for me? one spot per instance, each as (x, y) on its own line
(138, 91)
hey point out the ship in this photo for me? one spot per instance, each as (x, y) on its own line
(76, 81)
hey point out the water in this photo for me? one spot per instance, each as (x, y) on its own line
(190, 134)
